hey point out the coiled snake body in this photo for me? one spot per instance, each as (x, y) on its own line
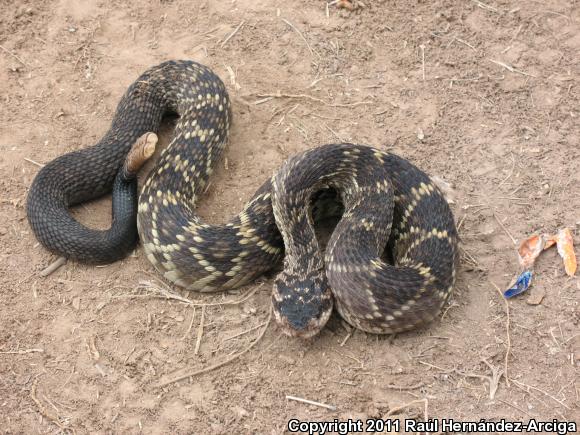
(378, 191)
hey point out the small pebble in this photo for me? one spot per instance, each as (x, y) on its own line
(420, 134)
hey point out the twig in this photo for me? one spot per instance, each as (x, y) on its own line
(319, 79)
(210, 31)
(166, 294)
(217, 365)
(232, 75)
(505, 229)
(461, 221)
(190, 325)
(345, 339)
(51, 268)
(93, 351)
(263, 100)
(336, 135)
(40, 165)
(311, 402)
(253, 328)
(507, 331)
(69, 377)
(510, 173)
(422, 47)
(405, 388)
(493, 380)
(521, 384)
(268, 97)
(14, 56)
(571, 338)
(516, 33)
(199, 331)
(54, 419)
(301, 35)
(356, 103)
(128, 356)
(472, 259)
(484, 6)
(559, 14)
(225, 41)
(437, 367)
(406, 405)
(466, 43)
(352, 358)
(511, 68)
(301, 96)
(515, 407)
(21, 352)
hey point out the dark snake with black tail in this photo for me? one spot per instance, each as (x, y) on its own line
(378, 190)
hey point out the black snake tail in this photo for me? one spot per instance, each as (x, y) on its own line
(90, 173)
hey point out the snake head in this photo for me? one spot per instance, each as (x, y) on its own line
(302, 305)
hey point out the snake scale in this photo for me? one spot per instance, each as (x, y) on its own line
(389, 265)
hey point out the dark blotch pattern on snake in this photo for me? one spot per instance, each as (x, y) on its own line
(388, 202)
(378, 190)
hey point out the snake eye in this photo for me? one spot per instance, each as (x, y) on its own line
(302, 305)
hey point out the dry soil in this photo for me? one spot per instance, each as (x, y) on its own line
(484, 95)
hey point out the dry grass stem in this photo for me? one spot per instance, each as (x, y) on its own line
(301, 35)
(199, 331)
(405, 388)
(345, 339)
(44, 412)
(485, 6)
(217, 365)
(267, 97)
(34, 162)
(507, 331)
(335, 134)
(493, 380)
(528, 387)
(239, 334)
(21, 352)
(515, 407)
(5, 50)
(466, 43)
(236, 30)
(406, 405)
(156, 291)
(311, 402)
(422, 47)
(514, 241)
(511, 68)
(190, 325)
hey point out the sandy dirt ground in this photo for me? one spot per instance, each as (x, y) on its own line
(482, 94)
